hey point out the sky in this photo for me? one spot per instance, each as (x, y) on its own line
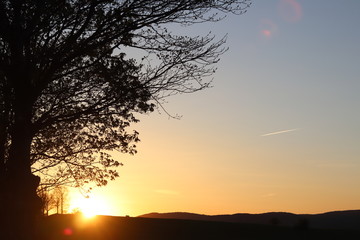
(278, 131)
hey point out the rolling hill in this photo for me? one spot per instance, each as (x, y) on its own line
(330, 220)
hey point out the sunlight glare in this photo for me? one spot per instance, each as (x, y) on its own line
(92, 206)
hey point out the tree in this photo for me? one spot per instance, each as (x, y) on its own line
(68, 91)
(56, 198)
(47, 200)
(60, 195)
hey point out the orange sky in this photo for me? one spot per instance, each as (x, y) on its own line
(279, 131)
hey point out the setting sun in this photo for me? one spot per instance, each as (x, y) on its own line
(90, 207)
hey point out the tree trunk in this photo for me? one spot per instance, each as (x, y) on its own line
(20, 205)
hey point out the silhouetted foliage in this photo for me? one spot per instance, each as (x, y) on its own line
(68, 91)
(67, 60)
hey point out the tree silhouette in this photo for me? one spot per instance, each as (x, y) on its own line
(60, 196)
(68, 91)
(53, 198)
(47, 200)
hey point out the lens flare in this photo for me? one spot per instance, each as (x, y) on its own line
(290, 10)
(266, 33)
(267, 28)
(68, 232)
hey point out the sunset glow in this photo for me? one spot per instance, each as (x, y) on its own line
(279, 131)
(90, 207)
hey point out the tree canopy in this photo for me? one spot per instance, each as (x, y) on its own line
(69, 92)
(64, 71)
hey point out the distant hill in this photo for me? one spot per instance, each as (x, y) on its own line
(330, 220)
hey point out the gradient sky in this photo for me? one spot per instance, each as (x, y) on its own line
(279, 130)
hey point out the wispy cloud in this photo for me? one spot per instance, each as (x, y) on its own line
(280, 132)
(167, 192)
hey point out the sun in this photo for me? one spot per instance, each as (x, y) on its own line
(91, 206)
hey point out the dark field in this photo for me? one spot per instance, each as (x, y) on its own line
(107, 228)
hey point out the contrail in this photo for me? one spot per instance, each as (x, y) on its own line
(280, 132)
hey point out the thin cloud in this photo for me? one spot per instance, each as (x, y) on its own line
(280, 132)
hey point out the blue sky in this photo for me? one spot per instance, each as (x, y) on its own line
(294, 72)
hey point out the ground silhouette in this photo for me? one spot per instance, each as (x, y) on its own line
(331, 220)
(59, 227)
